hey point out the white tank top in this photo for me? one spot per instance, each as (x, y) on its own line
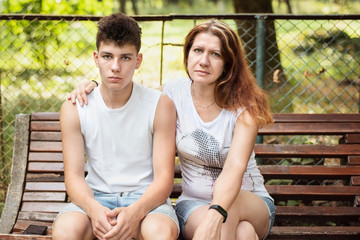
(203, 146)
(118, 142)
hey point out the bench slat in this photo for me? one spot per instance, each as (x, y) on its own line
(355, 181)
(313, 128)
(306, 172)
(37, 216)
(45, 167)
(313, 192)
(45, 116)
(45, 186)
(45, 136)
(311, 211)
(45, 156)
(44, 196)
(44, 177)
(52, 126)
(352, 138)
(39, 146)
(316, 117)
(315, 232)
(280, 150)
(52, 207)
(23, 237)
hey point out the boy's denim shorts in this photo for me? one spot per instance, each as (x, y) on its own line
(185, 208)
(124, 199)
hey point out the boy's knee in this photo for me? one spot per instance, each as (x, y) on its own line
(163, 232)
(160, 229)
(72, 226)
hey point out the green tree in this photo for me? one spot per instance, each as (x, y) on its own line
(247, 30)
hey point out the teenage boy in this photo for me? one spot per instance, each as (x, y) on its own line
(127, 133)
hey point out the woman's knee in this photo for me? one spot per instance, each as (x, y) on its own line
(246, 231)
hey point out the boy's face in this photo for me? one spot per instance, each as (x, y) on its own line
(117, 64)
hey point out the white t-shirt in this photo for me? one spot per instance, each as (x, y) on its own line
(118, 142)
(203, 146)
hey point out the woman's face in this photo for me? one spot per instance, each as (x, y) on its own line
(205, 63)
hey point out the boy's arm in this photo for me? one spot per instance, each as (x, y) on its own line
(74, 165)
(163, 156)
(163, 166)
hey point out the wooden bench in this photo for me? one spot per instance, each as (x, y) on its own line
(311, 164)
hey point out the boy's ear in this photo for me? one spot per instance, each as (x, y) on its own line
(139, 59)
(96, 58)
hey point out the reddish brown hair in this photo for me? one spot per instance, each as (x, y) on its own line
(237, 86)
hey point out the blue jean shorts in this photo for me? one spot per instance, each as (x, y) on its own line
(185, 208)
(124, 199)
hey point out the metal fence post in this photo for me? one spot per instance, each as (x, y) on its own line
(260, 64)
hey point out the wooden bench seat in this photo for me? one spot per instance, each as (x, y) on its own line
(310, 162)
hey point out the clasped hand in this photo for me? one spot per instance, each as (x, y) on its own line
(119, 224)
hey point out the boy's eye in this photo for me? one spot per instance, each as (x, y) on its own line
(126, 58)
(106, 56)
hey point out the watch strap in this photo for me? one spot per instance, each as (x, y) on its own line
(220, 210)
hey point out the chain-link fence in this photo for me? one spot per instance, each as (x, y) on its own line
(306, 63)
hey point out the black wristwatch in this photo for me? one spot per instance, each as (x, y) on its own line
(220, 210)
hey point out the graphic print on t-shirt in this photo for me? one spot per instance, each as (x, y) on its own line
(207, 153)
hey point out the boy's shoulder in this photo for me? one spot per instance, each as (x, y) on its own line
(146, 92)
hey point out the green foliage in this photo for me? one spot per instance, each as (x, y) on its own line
(81, 7)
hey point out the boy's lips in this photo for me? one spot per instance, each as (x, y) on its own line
(114, 78)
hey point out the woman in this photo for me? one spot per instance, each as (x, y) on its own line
(220, 109)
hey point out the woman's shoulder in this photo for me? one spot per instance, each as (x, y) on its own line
(175, 83)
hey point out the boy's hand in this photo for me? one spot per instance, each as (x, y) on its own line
(125, 224)
(100, 222)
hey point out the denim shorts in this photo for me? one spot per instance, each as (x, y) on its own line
(185, 208)
(124, 199)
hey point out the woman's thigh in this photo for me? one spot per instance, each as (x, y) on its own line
(246, 207)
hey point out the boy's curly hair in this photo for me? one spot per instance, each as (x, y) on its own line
(120, 30)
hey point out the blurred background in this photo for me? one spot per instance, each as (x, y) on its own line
(304, 53)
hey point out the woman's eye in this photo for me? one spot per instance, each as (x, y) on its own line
(197, 50)
(216, 54)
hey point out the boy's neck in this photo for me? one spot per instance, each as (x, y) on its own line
(116, 99)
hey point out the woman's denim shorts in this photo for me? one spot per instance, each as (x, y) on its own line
(185, 208)
(124, 199)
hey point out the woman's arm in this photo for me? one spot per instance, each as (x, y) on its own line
(228, 184)
(81, 91)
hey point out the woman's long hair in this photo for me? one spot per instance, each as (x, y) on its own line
(236, 87)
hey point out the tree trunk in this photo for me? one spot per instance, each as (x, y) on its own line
(289, 10)
(247, 32)
(123, 6)
(135, 8)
